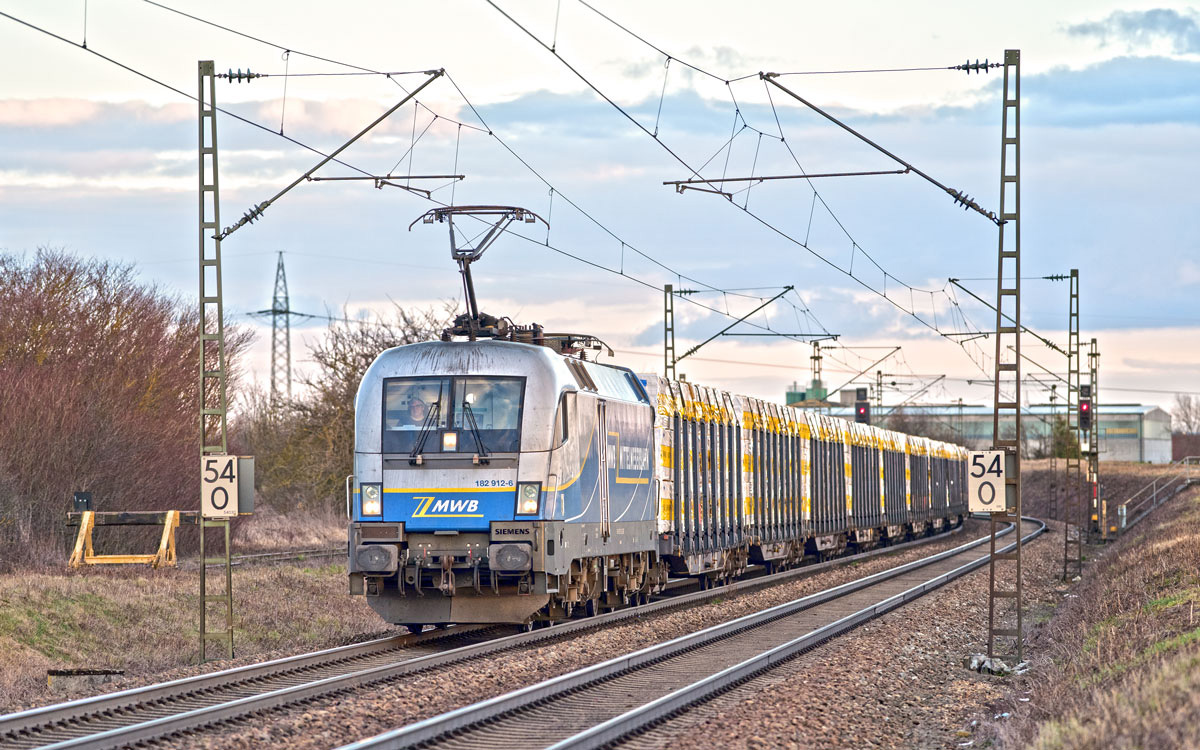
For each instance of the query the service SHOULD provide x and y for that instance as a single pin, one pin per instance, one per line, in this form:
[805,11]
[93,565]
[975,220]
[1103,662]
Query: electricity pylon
[281,337]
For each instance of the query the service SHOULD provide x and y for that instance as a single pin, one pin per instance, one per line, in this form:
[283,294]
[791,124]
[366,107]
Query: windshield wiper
[482,455]
[426,427]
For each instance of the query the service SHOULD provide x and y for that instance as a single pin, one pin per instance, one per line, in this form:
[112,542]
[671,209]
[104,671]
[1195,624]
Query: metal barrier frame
[88,520]
[1189,475]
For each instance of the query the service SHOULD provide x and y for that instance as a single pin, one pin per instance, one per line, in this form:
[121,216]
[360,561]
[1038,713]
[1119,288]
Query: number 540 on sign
[985,482]
[218,486]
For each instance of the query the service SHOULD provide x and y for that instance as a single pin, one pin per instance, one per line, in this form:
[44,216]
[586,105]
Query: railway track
[260,558]
[598,705]
[159,711]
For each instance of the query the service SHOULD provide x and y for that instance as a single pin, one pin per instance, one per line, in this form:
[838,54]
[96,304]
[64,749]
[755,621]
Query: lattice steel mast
[281,338]
[1072,528]
[669,332]
[1053,512]
[213,415]
[1099,509]
[213,402]
[1003,622]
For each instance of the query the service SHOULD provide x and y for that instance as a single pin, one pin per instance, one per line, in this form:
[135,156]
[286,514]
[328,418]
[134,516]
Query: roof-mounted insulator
[239,76]
[978,67]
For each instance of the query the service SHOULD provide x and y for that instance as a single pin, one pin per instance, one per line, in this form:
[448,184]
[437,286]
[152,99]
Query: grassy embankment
[1118,665]
[145,621]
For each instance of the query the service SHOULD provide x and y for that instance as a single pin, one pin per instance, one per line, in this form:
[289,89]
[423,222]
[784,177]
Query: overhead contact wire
[486,129]
[363,172]
[912,308]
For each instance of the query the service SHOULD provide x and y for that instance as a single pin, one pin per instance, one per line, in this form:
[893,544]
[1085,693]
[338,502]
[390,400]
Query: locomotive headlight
[529,495]
[372,500]
[450,441]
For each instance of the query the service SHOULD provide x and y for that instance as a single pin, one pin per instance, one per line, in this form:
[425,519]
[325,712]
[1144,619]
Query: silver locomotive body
[491,477]
[497,481]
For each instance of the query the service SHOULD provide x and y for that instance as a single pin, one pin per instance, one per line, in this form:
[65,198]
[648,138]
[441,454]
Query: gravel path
[897,682]
[334,721]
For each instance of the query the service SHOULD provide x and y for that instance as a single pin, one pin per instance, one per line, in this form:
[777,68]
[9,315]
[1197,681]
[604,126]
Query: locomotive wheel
[414,628]
[590,608]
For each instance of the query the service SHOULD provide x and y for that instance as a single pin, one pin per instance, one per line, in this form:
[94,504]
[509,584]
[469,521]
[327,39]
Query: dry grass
[1117,665]
[270,531]
[145,622]
[1120,480]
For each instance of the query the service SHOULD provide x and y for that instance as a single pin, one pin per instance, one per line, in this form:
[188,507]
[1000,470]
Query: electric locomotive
[506,478]
[487,480]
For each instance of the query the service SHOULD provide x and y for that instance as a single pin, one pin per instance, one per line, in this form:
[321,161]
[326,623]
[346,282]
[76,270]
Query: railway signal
[862,412]
[1085,408]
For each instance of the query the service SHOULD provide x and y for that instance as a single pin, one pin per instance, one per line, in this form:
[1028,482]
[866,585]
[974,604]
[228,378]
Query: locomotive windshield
[409,403]
[476,408]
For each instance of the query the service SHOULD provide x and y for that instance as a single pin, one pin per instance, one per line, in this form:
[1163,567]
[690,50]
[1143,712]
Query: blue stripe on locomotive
[629,487]
[460,509]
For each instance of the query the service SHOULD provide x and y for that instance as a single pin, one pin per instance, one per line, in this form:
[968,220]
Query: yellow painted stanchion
[84,553]
[83,541]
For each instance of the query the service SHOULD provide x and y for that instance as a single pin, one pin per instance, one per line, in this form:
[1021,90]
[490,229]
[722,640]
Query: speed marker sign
[985,482]
[218,486]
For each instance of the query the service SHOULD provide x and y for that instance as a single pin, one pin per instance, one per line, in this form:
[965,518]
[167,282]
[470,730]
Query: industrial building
[1128,432]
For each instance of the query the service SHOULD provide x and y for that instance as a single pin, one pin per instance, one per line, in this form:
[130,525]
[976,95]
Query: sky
[580,112]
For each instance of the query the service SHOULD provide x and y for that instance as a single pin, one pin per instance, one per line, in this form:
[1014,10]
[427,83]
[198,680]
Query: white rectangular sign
[218,486]
[985,482]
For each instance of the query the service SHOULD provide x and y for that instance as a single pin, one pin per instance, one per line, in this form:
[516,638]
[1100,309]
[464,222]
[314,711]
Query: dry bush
[98,392]
[1116,666]
[304,449]
[270,530]
[918,423]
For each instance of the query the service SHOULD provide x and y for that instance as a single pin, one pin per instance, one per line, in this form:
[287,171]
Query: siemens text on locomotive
[499,481]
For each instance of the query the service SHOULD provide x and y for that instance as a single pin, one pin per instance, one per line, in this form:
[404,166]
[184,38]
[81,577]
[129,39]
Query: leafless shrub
[304,449]
[1185,417]
[98,392]
[921,424]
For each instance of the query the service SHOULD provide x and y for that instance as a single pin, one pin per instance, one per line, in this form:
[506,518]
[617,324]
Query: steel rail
[271,557]
[106,704]
[56,718]
[474,715]
[651,713]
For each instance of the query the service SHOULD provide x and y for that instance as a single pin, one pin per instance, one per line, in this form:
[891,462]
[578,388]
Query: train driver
[409,405]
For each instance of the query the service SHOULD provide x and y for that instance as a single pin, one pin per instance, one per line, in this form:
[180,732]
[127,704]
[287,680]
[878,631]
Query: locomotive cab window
[488,409]
[410,403]
[562,419]
[476,409]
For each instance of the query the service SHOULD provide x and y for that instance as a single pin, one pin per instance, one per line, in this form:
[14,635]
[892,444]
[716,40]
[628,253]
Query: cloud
[1145,27]
[46,112]
[1188,273]
[1160,365]
[714,58]
[61,113]
[1123,90]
